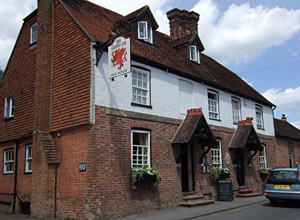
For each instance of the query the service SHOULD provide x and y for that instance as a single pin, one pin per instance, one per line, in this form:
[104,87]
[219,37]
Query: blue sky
[259,39]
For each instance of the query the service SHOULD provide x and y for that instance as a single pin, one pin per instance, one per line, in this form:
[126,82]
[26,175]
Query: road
[260,211]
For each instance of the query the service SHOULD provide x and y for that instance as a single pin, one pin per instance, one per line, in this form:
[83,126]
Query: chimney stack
[283,118]
[182,22]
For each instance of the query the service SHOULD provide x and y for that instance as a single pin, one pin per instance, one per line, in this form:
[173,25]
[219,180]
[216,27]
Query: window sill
[8,174]
[141,105]
[8,120]
[214,119]
[260,128]
[28,173]
[32,44]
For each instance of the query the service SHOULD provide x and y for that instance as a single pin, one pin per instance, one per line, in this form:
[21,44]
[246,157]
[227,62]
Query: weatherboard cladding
[99,22]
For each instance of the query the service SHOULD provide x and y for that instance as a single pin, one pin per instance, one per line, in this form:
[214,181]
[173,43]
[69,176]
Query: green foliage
[216,172]
[137,175]
[264,171]
[1,75]
[69,218]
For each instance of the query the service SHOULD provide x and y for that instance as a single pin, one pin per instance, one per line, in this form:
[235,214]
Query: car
[283,184]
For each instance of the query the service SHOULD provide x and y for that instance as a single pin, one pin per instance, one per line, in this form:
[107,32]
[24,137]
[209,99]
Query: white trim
[194,54]
[28,158]
[259,117]
[9,108]
[6,162]
[236,113]
[145,32]
[33,33]
[263,158]
[138,88]
[213,104]
[217,153]
[134,162]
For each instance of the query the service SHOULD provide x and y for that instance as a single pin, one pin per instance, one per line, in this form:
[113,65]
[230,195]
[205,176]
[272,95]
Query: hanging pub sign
[119,60]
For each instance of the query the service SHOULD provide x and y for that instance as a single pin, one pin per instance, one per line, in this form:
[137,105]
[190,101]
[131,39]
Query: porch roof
[245,136]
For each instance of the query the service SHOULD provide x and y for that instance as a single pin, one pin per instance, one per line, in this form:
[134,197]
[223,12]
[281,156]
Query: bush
[216,172]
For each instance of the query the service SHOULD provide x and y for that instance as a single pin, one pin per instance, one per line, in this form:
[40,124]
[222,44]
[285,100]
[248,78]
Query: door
[187,169]
[240,172]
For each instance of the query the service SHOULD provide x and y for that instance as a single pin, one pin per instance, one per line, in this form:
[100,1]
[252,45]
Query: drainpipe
[55,191]
[16,175]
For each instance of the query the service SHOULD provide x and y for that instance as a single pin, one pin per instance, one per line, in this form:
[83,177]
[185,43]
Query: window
[216,155]
[145,32]
[9,108]
[213,105]
[140,148]
[8,161]
[236,110]
[259,117]
[140,87]
[291,154]
[28,158]
[262,157]
[33,33]
[194,54]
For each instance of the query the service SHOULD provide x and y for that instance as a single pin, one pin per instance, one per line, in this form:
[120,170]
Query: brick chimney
[283,117]
[182,22]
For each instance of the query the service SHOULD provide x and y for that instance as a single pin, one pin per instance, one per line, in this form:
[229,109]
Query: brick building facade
[68,139]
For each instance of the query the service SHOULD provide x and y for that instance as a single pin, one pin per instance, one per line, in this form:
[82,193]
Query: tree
[1,75]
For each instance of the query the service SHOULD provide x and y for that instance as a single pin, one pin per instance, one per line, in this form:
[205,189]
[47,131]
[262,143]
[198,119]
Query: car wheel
[273,201]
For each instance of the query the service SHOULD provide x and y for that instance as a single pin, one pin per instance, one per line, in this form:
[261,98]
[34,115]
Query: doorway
[240,169]
[187,169]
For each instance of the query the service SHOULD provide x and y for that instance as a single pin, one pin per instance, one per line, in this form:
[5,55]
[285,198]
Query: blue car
[283,184]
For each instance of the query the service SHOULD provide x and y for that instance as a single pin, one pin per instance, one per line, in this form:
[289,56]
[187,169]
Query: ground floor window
[262,157]
[8,161]
[216,155]
[28,159]
[140,149]
[291,154]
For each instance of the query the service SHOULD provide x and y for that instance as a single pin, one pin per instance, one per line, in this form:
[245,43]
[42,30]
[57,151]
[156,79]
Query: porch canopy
[194,125]
[245,137]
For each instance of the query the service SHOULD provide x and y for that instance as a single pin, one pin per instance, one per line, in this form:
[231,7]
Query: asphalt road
[260,211]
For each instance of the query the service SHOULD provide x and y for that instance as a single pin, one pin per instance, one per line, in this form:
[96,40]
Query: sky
[257,39]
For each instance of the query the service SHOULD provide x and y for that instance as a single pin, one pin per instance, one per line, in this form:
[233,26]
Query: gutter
[16,175]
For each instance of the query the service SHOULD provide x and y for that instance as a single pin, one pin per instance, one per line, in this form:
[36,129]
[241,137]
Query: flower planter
[147,178]
[224,176]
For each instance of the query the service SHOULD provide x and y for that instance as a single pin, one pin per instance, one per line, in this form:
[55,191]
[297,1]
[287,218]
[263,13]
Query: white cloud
[242,33]
[286,100]
[296,124]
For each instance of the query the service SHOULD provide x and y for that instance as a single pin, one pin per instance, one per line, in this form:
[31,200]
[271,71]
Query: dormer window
[194,54]
[145,32]
[33,33]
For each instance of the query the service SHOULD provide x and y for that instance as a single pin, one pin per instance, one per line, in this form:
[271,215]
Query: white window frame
[8,161]
[259,117]
[33,33]
[145,32]
[140,86]
[140,152]
[291,154]
[236,113]
[262,157]
[194,54]
[216,155]
[213,105]
[28,158]
[9,108]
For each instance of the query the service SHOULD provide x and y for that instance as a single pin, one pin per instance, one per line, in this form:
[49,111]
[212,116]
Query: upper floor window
[140,149]
[140,87]
[262,157]
[9,108]
[213,105]
[259,117]
[194,54]
[28,158]
[145,32]
[8,161]
[216,155]
[33,33]
[236,110]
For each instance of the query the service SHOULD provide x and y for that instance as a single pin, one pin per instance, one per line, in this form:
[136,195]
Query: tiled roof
[285,129]
[99,22]
[194,124]
[245,136]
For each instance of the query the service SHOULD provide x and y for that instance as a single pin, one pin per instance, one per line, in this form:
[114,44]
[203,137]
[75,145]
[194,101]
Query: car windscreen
[283,177]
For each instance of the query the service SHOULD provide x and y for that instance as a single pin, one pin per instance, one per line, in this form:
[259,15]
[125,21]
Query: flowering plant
[138,175]
[264,171]
[217,172]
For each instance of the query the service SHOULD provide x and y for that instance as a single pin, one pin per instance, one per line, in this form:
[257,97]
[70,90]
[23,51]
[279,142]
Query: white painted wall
[171,96]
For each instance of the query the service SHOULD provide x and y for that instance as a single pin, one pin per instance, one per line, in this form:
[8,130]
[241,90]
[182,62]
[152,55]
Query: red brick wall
[109,161]
[283,152]
[71,190]
[19,82]
[71,72]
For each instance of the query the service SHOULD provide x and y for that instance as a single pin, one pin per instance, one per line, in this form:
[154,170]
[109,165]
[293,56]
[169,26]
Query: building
[71,134]
[288,143]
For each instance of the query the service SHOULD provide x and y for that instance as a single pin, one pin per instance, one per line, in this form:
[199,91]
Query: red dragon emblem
[119,57]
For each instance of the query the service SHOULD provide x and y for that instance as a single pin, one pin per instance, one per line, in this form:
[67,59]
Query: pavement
[178,213]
